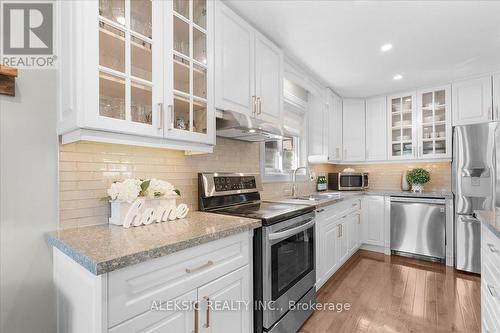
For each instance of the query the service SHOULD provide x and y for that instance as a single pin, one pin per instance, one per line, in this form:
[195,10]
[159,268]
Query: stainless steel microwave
[347,181]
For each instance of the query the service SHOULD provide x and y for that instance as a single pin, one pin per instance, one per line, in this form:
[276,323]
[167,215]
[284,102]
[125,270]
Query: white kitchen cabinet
[326,253]
[472,101]
[353,136]
[434,123]
[376,129]
[268,79]
[352,232]
[490,279]
[496,96]
[317,131]
[137,72]
[229,289]
[334,113]
[342,241]
[402,126]
[234,61]
[373,219]
[162,320]
[248,68]
[128,299]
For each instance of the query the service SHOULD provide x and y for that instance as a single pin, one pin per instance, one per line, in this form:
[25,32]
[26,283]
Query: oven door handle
[291,232]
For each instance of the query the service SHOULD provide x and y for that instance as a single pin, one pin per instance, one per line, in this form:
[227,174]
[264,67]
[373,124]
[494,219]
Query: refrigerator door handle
[476,172]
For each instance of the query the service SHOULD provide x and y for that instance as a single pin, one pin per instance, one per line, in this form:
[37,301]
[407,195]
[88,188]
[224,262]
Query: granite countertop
[488,218]
[105,248]
[430,194]
[337,196]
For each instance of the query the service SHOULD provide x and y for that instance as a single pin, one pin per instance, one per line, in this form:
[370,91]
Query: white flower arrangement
[130,189]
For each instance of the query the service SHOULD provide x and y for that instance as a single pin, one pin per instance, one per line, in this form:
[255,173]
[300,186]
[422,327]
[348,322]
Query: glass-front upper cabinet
[434,123]
[129,67]
[190,109]
[402,138]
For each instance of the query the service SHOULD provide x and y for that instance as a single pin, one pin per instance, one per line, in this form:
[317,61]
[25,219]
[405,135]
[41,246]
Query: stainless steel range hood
[245,128]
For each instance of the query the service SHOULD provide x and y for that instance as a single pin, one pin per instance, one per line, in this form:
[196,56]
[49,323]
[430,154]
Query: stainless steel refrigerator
[473,182]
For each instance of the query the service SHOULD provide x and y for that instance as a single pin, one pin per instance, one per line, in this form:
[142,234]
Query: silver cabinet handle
[320,210]
[170,117]
[259,106]
[492,291]
[496,112]
[196,309]
[338,231]
[207,321]
[192,270]
[160,116]
[492,248]
[254,102]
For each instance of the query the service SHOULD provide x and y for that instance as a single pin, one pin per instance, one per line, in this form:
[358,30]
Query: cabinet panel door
[376,129]
[352,225]
[434,123]
[373,210]
[234,287]
[353,129]
[402,126]
[496,96]
[335,127]
[330,236]
[268,79]
[472,101]
[316,126]
[234,61]
[162,319]
[343,246]
[123,78]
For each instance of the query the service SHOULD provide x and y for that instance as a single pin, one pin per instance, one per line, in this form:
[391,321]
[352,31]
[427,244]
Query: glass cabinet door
[434,128]
[126,70]
[401,127]
[189,108]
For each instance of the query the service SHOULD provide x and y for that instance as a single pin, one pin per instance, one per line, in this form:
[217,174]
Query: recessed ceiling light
[397,77]
[386,47]
[251,130]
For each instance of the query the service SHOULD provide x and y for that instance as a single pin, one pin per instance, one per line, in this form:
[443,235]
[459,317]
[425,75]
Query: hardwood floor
[396,294]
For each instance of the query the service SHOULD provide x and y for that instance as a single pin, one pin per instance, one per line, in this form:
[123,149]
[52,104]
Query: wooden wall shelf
[8,80]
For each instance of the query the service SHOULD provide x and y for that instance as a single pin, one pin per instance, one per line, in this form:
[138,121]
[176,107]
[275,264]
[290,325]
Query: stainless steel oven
[283,249]
[288,271]
[347,181]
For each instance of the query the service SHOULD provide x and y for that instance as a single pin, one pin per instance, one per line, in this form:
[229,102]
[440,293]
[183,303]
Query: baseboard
[373,248]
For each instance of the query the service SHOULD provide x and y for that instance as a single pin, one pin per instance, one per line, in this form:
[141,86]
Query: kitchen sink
[317,197]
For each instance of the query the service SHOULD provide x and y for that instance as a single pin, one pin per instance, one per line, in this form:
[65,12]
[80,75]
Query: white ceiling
[434,42]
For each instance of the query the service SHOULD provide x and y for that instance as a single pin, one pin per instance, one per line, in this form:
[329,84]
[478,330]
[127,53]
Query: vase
[404,182]
[417,188]
[119,209]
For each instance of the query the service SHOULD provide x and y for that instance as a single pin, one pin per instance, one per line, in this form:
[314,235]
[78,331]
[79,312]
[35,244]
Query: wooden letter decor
[7,80]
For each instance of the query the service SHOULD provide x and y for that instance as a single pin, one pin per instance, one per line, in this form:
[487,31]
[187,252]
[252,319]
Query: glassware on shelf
[141,17]
[182,7]
[200,13]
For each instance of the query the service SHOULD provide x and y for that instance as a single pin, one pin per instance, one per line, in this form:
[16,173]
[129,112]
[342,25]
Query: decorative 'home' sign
[138,214]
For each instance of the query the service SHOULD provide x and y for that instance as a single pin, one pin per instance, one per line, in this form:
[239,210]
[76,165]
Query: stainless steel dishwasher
[418,227]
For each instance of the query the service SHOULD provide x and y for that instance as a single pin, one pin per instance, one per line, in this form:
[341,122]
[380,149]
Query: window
[281,156]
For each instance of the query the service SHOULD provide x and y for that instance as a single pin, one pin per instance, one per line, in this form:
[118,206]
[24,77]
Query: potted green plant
[417,178]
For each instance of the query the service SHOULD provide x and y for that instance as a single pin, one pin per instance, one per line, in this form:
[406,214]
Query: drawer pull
[196,309]
[192,270]
[320,210]
[492,248]
[207,322]
[354,205]
[492,291]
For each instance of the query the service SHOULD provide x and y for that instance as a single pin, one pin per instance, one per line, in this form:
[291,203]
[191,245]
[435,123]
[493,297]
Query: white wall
[28,203]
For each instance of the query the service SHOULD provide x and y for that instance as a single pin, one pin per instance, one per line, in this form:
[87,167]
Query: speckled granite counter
[430,194]
[104,248]
[488,218]
[338,196]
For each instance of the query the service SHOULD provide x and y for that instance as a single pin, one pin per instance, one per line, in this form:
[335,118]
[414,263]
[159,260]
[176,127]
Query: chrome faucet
[294,179]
